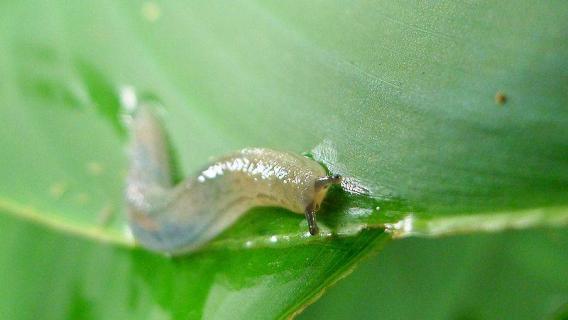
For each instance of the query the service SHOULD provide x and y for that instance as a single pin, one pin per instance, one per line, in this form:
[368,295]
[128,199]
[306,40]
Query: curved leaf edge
[410,226]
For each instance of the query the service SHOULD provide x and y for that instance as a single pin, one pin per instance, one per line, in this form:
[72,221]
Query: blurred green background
[513,275]
[403,97]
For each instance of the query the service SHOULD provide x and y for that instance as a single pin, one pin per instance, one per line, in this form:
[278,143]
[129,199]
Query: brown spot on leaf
[500,98]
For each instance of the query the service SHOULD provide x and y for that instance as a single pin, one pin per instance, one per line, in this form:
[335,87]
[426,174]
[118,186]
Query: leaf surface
[451,117]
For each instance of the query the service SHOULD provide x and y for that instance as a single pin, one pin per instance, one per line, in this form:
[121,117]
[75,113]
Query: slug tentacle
[311,218]
[179,219]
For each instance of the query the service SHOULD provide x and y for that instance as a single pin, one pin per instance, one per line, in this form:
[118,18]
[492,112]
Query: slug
[178,219]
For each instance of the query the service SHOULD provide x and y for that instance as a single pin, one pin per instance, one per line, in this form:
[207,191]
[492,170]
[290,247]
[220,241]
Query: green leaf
[399,97]
[513,275]
[57,275]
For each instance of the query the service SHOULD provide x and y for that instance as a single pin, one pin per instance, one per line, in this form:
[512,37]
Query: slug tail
[149,175]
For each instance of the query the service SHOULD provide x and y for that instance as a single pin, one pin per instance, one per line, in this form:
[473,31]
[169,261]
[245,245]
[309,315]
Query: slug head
[321,187]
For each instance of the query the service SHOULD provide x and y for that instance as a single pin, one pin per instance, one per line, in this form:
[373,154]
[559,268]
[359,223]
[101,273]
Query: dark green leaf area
[513,275]
[61,276]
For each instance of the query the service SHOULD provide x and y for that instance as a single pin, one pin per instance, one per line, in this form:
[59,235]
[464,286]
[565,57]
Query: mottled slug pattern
[181,218]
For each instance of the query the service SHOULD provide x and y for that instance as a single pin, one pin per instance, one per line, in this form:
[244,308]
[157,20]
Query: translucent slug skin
[179,219]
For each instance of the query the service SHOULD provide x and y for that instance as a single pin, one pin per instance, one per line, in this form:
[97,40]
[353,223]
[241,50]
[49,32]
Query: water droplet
[128,98]
[128,233]
[402,227]
[151,11]
[360,212]
[58,189]
[82,198]
[94,168]
[105,214]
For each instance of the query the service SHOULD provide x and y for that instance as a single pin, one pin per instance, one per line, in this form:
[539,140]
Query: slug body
[179,219]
